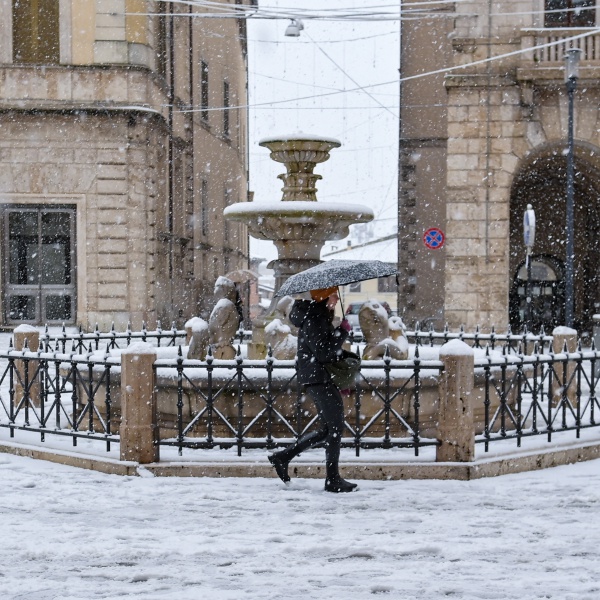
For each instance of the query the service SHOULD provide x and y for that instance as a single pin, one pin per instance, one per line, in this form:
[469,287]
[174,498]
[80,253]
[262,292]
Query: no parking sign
[434,238]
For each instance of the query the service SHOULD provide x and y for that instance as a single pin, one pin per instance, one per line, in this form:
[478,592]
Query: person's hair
[320,295]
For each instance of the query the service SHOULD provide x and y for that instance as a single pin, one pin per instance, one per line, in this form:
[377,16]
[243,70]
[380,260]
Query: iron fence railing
[248,404]
[516,343]
[58,394]
[539,394]
[83,342]
[257,403]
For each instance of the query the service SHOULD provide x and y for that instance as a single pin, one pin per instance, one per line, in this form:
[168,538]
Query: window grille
[570,13]
[204,91]
[226,103]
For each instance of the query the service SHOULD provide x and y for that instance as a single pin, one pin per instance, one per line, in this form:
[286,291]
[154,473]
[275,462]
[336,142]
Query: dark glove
[345,325]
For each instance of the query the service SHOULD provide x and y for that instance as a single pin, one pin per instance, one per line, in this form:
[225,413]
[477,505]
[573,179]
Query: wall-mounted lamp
[294,28]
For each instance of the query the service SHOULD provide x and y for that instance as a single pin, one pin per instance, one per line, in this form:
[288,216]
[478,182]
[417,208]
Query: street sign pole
[529,239]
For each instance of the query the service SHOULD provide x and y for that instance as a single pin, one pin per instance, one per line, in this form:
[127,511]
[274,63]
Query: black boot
[281,465]
[337,484]
[280,460]
[333,481]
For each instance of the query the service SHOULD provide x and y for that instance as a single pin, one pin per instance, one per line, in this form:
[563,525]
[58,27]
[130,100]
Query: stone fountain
[298,225]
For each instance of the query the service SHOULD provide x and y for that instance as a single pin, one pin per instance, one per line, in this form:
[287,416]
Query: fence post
[139,427]
[29,334]
[456,428]
[560,337]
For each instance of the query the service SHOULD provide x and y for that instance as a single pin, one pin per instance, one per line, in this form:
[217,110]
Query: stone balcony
[543,50]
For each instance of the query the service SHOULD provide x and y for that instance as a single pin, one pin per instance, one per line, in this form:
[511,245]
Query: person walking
[319,343]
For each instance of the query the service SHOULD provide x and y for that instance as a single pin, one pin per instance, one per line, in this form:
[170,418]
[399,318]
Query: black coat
[319,342]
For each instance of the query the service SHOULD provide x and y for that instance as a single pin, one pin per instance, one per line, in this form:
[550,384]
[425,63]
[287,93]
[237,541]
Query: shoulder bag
[343,372]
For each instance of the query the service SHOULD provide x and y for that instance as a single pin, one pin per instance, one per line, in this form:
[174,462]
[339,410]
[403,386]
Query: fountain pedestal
[298,225]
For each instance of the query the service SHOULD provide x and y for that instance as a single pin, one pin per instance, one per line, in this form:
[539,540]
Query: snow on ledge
[300,137]
[562,330]
[25,329]
[285,208]
[140,348]
[456,348]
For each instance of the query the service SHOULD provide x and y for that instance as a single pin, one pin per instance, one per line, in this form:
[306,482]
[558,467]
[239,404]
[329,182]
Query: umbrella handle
[341,303]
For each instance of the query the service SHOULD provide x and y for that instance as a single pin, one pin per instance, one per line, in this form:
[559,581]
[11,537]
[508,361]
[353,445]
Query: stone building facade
[480,142]
[120,145]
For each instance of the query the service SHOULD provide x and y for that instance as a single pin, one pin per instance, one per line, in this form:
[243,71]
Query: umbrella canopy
[241,276]
[335,272]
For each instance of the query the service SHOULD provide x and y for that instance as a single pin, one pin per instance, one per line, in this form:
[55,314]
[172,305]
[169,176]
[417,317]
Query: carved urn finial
[300,154]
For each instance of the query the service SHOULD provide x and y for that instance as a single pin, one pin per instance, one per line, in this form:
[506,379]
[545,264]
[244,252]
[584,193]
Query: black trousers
[330,407]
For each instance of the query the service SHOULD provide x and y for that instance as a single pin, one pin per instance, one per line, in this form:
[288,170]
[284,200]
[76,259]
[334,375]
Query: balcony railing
[548,46]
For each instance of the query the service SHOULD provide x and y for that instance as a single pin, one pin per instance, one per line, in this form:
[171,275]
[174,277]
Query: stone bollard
[139,427]
[560,336]
[30,334]
[456,428]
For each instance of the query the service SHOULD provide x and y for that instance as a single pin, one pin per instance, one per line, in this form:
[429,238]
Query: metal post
[529,239]
[569,267]
[529,317]
[571,75]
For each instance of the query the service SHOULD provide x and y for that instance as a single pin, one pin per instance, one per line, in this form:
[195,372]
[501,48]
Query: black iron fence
[537,395]
[59,394]
[515,343]
[82,342]
[249,404]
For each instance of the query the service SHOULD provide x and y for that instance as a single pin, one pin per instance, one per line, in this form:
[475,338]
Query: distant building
[120,145]
[478,144]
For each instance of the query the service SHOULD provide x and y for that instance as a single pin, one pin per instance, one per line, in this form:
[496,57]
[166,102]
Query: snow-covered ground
[69,534]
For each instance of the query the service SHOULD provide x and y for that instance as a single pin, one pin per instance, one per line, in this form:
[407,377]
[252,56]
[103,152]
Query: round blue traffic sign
[434,238]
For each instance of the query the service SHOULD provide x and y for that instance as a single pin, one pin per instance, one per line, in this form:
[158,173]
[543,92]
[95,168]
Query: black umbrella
[333,273]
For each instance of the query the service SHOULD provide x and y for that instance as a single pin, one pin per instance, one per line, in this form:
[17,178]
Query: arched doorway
[541,182]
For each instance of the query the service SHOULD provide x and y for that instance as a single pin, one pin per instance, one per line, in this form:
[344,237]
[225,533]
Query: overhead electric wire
[344,41]
[350,77]
[406,11]
[402,79]
[391,12]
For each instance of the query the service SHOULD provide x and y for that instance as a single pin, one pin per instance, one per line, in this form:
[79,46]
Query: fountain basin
[299,219]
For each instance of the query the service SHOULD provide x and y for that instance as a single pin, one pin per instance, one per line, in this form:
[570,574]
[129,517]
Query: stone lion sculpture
[283,308]
[279,336]
[222,327]
[198,338]
[278,333]
[380,332]
[226,289]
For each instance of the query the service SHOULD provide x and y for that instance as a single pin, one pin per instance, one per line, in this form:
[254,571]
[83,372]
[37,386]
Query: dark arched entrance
[541,182]
[547,292]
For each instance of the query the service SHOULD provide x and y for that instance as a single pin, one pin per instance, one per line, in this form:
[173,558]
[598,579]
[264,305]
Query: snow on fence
[144,396]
